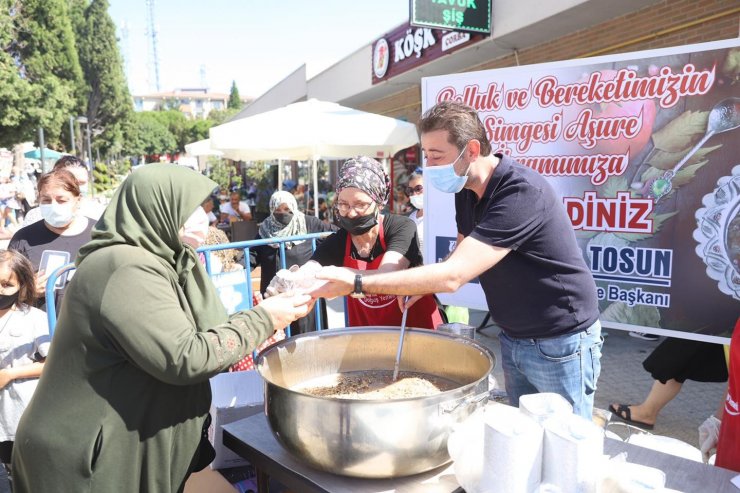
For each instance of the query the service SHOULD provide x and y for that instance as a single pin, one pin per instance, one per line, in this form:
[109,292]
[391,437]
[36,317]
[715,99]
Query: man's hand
[340,282]
[286,308]
[246,216]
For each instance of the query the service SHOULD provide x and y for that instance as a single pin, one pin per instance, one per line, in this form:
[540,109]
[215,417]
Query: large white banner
[644,149]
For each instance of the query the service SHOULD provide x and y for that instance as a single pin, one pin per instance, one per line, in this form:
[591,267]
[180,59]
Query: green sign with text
[458,15]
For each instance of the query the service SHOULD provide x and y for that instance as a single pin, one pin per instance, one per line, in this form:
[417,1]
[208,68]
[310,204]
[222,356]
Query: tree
[149,136]
[198,130]
[223,173]
[15,90]
[109,104]
[101,177]
[41,82]
[235,101]
[217,117]
[177,124]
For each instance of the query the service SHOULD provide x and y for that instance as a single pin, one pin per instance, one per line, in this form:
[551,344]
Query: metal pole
[280,174]
[72,135]
[90,157]
[42,144]
[316,186]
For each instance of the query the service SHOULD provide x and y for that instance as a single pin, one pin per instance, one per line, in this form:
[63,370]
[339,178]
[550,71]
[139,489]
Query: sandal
[623,412]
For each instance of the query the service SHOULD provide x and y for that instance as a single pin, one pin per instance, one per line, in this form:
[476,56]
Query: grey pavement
[622,379]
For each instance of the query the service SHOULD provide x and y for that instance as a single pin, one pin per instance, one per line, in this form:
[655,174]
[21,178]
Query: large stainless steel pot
[375,438]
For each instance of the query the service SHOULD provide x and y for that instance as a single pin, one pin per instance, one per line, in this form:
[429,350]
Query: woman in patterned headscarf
[286,220]
[369,240]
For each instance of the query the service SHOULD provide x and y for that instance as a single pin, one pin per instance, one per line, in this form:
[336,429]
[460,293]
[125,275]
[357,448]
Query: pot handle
[450,407]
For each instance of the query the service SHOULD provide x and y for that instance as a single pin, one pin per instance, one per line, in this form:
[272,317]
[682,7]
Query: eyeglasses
[414,190]
[359,208]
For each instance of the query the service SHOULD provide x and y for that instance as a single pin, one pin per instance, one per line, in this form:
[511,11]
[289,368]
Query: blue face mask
[444,178]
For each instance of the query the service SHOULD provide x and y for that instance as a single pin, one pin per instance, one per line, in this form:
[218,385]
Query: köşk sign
[406,48]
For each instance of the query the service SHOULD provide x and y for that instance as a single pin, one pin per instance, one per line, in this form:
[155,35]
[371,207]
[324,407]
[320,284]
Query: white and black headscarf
[271,228]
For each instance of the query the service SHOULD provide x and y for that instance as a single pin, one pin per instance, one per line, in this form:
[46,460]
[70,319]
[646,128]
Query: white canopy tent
[311,130]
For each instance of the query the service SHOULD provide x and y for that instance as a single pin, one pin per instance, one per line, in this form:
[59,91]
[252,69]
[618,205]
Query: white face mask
[444,178]
[195,229]
[58,215]
[417,201]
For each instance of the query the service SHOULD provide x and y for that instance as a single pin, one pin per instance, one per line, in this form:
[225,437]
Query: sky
[255,43]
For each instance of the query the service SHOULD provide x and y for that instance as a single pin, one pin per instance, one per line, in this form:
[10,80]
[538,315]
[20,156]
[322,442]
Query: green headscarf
[147,211]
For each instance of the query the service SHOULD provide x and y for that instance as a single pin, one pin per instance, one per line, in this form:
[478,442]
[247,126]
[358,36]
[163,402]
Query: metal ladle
[724,116]
[400,340]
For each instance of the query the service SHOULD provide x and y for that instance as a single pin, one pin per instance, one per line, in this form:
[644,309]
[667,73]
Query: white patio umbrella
[312,130]
[201,148]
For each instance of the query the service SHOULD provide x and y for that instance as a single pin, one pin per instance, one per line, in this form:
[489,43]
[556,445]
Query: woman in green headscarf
[124,395]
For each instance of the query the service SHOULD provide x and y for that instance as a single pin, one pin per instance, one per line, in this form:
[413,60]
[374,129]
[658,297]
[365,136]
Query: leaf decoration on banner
[682,132]
[642,315]
[614,185]
[651,174]
[603,239]
[585,235]
[686,174]
[667,160]
[731,67]
[683,177]
[606,239]
[658,221]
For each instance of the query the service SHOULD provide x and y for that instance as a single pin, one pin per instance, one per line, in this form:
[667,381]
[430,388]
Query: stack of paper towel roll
[541,443]
[512,452]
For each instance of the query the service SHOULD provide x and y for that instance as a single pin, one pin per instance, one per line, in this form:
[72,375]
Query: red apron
[728,445]
[382,309]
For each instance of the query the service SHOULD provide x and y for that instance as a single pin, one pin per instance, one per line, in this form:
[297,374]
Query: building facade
[194,103]
[384,76]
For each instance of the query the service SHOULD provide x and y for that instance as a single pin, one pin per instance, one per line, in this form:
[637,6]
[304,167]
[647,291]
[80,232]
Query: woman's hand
[286,308]
[41,278]
[404,303]
[5,378]
[709,436]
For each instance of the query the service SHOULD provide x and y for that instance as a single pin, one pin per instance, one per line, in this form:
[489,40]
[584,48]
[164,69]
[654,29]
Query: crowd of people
[123,395]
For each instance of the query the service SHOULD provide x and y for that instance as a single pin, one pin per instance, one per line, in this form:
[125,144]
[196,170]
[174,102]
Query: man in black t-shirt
[515,236]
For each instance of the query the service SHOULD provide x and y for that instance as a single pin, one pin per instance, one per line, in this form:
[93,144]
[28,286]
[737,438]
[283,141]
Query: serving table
[252,439]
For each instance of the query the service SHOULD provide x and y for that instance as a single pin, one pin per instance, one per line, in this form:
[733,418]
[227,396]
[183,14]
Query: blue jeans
[568,365]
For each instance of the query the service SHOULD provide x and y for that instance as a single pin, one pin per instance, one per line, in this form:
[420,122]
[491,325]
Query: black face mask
[8,300]
[358,225]
[283,218]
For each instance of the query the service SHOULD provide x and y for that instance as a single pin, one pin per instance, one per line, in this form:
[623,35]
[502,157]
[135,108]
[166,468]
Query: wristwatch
[357,293]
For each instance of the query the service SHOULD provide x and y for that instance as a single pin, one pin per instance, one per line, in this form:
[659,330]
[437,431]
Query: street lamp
[83,119]
[72,134]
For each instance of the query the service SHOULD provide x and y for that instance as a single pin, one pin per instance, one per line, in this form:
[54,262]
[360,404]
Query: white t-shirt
[227,209]
[23,333]
[419,229]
